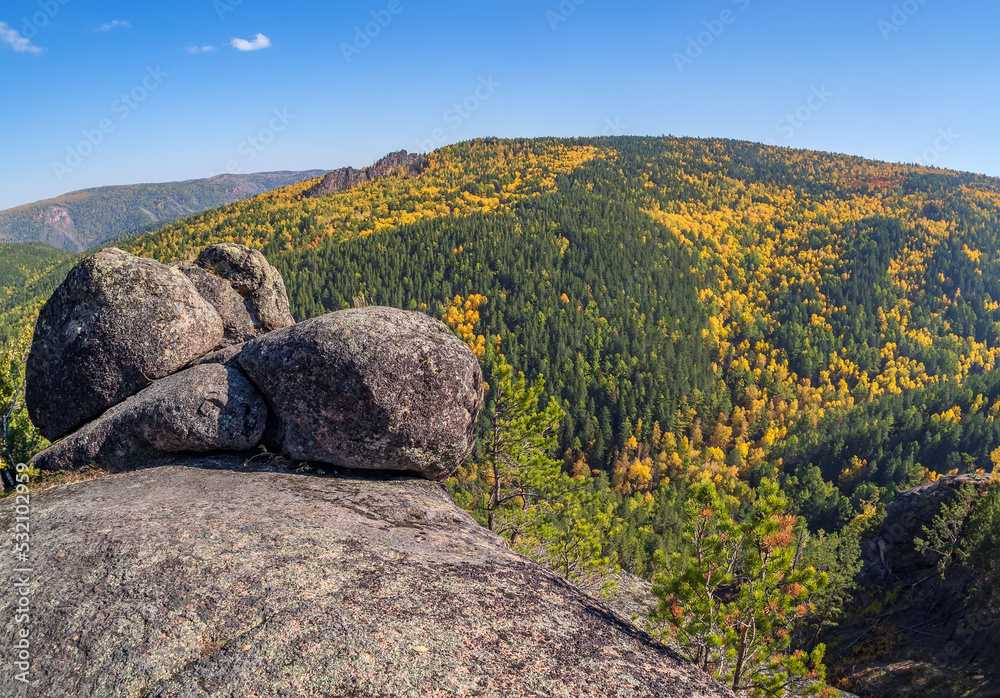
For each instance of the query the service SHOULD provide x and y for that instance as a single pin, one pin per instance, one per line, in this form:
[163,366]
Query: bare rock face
[370,388]
[348,177]
[190,582]
[926,639]
[206,408]
[255,281]
[115,324]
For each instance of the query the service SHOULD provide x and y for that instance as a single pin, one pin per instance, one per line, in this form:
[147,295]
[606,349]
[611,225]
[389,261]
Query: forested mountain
[83,219]
[695,305]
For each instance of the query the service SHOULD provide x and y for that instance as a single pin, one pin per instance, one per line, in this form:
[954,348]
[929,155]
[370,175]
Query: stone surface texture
[255,280]
[226,355]
[237,323]
[205,408]
[187,580]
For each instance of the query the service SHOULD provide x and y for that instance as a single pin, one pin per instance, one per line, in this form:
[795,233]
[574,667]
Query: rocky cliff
[913,631]
[347,177]
[205,576]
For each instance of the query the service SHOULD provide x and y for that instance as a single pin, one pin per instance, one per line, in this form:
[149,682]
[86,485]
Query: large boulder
[370,388]
[258,285]
[205,408]
[186,581]
[115,324]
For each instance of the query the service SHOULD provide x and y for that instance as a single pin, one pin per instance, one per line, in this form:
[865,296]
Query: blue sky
[111,92]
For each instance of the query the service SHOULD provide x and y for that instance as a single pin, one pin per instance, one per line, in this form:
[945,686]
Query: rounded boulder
[202,409]
[115,324]
[370,388]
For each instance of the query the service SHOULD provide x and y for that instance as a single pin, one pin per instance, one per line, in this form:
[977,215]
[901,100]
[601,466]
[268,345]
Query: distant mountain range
[82,219]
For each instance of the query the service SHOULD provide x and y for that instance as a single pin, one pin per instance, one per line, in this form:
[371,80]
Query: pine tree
[519,491]
[517,471]
[733,603]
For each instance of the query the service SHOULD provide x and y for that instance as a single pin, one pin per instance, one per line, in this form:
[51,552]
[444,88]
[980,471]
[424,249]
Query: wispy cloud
[114,24]
[259,42]
[199,49]
[17,42]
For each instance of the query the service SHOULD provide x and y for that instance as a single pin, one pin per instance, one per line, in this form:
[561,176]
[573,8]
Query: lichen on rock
[206,408]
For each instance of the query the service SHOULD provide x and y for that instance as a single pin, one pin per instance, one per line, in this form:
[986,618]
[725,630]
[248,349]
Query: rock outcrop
[181,580]
[370,388]
[205,408]
[890,553]
[916,633]
[251,574]
[115,324]
[348,177]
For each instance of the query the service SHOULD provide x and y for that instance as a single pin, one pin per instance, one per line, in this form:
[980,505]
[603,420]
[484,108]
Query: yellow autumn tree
[462,316]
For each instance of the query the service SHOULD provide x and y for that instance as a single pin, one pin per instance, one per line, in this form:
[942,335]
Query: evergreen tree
[734,601]
[519,491]
[511,487]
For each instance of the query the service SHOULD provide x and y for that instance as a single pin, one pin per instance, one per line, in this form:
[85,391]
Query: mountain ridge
[81,219]
[399,162]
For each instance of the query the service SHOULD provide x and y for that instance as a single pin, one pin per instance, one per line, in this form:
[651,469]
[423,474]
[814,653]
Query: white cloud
[114,24]
[199,49]
[259,42]
[16,41]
